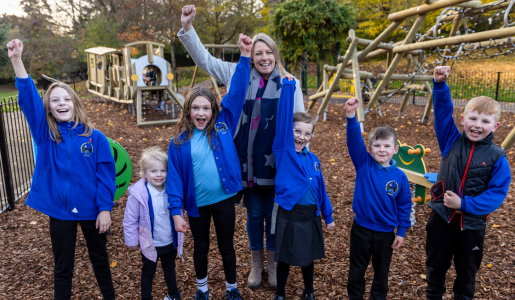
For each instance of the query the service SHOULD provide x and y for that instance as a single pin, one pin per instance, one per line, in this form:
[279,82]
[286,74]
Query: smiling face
[156,174]
[264,59]
[201,112]
[383,150]
[302,134]
[61,105]
[477,126]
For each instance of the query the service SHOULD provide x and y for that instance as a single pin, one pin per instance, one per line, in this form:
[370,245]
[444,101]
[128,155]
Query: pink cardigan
[136,222]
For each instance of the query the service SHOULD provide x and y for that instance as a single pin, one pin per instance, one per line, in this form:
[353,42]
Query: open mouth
[201,121]
[265,65]
[476,132]
[63,110]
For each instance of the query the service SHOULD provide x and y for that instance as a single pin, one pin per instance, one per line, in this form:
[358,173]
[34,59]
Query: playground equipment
[411,161]
[113,75]
[476,39]
[213,80]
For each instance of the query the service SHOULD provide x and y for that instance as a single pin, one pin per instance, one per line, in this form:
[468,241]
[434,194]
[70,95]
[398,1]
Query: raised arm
[355,143]
[28,96]
[445,128]
[220,70]
[232,103]
[284,124]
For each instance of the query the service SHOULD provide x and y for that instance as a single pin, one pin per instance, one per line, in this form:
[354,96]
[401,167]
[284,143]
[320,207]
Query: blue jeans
[259,203]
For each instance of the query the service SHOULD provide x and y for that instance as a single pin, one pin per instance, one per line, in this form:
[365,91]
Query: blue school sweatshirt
[180,183]
[447,133]
[294,177]
[75,179]
[382,197]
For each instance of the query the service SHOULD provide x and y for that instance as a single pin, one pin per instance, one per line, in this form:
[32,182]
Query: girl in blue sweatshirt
[204,172]
[300,194]
[74,178]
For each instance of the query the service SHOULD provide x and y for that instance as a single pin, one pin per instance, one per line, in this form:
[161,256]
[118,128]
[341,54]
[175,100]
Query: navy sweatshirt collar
[389,168]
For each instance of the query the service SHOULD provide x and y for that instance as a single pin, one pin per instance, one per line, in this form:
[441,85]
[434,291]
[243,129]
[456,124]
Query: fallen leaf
[113,264]
[496,226]
[423,276]
[489,265]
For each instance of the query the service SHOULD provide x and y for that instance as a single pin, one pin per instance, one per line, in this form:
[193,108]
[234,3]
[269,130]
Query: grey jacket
[222,70]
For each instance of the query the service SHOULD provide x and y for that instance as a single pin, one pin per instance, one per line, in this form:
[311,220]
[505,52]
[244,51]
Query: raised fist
[14,49]
[441,73]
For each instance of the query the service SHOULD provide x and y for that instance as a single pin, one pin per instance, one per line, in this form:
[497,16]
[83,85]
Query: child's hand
[103,221]
[188,14]
[451,200]
[245,44]
[441,73]
[351,106]
[331,226]
[397,243]
[14,49]
[180,224]
[289,76]
[134,247]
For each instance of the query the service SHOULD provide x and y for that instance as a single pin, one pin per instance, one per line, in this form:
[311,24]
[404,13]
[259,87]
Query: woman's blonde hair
[79,114]
[185,124]
[149,155]
[264,38]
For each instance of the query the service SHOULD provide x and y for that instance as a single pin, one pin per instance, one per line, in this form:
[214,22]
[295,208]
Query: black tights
[283,270]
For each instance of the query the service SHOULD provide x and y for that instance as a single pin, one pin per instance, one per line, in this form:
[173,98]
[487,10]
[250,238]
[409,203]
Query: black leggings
[64,235]
[167,255]
[224,217]
[283,270]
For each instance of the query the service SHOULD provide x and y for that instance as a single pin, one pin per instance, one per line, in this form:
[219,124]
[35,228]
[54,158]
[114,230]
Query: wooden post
[138,106]
[509,140]
[411,34]
[323,87]
[379,39]
[347,56]
[429,105]
[357,82]
[215,85]
[194,76]
[423,9]
[404,103]
[468,38]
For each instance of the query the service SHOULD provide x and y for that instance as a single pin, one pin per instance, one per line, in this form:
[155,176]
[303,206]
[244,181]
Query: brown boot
[256,269]
[271,269]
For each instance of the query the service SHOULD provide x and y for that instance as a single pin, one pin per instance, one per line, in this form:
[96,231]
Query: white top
[162,225]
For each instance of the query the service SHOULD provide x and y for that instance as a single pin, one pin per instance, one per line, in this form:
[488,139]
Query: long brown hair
[79,114]
[264,38]
[185,125]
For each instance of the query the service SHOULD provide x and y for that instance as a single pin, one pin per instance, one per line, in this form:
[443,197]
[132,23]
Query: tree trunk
[299,65]
[172,50]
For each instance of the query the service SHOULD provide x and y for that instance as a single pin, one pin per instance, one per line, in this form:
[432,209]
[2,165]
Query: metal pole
[497,89]
[5,165]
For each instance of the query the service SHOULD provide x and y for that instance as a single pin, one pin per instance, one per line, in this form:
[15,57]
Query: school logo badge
[87,148]
[317,166]
[392,187]
[221,127]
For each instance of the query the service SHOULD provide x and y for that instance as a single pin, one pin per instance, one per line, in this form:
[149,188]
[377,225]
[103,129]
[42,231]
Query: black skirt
[298,236]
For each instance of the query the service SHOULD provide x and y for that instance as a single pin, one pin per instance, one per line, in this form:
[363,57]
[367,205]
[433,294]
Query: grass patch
[184,75]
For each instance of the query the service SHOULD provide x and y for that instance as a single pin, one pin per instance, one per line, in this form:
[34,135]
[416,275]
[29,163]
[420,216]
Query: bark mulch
[26,264]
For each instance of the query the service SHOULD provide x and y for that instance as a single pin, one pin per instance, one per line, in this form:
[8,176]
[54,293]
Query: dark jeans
[283,270]
[63,235]
[260,204]
[224,217]
[445,241]
[167,255]
[366,243]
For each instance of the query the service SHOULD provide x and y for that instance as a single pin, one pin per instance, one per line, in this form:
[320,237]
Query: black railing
[465,85]
[16,152]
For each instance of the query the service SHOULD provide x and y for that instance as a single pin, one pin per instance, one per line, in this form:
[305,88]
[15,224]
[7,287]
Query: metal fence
[16,153]
[465,85]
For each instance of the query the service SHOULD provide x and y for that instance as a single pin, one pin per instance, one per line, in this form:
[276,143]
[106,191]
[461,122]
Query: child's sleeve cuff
[401,231]
[176,211]
[328,220]
[439,85]
[462,207]
[23,80]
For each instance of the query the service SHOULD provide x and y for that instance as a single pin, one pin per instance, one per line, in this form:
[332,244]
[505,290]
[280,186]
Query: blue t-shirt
[308,198]
[208,186]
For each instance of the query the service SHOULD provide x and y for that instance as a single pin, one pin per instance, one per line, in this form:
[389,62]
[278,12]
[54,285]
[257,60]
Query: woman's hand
[188,14]
[245,44]
[397,243]
[180,224]
[289,76]
[331,226]
[103,221]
